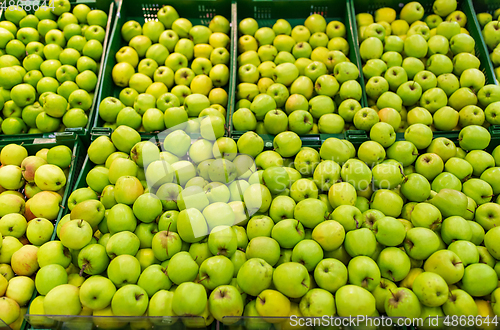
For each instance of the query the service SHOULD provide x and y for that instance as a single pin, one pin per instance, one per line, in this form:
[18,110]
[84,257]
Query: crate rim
[116,30]
[348,22]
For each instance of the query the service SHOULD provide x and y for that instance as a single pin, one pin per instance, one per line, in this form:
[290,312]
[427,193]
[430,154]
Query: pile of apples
[424,70]
[213,227]
[32,189]
[298,79]
[170,71]
[491,37]
[48,66]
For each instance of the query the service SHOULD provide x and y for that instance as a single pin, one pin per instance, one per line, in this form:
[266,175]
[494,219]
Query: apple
[460,302]
[63,300]
[225,302]
[97,292]
[291,279]
[273,304]
[415,46]
[346,297]
[371,48]
[474,137]
[376,86]
[374,68]
[364,272]
[402,302]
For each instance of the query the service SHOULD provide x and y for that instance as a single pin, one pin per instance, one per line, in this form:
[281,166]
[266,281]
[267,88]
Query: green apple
[402,303]
[358,235]
[466,251]
[371,48]
[53,252]
[389,231]
[124,261]
[81,229]
[291,279]
[394,263]
[431,289]
[129,300]
[50,277]
[446,264]
[460,303]
[415,46]
[364,272]
[330,274]
[225,302]
[97,292]
[384,194]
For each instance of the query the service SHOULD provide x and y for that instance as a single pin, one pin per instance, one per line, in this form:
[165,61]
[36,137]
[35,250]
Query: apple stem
[470,211]
[83,268]
[202,279]
[168,234]
[402,173]
[357,222]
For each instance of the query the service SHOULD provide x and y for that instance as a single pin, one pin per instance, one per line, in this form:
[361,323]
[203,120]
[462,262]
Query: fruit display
[223,184]
[167,71]
[490,36]
[424,67]
[34,182]
[49,67]
[302,77]
[212,227]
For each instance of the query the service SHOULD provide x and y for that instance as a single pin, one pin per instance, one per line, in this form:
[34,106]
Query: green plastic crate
[267,12]
[199,12]
[69,139]
[34,144]
[109,7]
[367,6]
